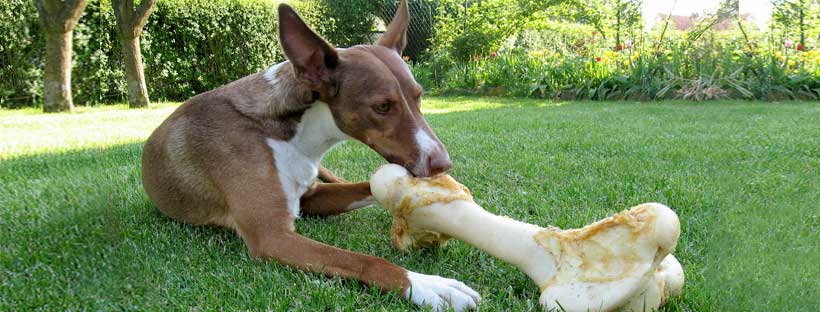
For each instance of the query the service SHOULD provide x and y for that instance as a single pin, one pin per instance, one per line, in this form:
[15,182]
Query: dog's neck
[316,131]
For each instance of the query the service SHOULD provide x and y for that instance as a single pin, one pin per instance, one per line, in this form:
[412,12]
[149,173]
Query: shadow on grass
[84,233]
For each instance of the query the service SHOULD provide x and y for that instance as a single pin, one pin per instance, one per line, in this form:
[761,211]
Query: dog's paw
[440,293]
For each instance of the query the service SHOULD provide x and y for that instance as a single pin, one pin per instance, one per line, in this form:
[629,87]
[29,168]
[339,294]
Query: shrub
[714,67]
[343,23]
[189,46]
[21,58]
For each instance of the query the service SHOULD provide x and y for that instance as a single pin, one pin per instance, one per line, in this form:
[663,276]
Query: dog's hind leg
[325,199]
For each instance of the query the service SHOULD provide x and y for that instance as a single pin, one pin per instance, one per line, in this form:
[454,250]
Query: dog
[246,156]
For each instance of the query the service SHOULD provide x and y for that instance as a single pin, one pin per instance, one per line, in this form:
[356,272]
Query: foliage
[713,68]
[343,23]
[569,58]
[98,75]
[796,18]
[423,16]
[592,49]
[21,53]
[189,46]
[469,28]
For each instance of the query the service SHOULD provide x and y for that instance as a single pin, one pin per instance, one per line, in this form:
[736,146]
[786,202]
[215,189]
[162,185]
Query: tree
[130,21]
[58,18]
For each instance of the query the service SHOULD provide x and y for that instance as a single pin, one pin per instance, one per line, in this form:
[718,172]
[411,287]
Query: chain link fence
[422,21]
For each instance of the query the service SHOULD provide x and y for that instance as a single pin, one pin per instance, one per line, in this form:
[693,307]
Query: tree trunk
[57,81]
[134,75]
[130,21]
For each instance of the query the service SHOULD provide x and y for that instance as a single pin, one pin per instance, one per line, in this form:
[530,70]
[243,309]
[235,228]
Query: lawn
[78,232]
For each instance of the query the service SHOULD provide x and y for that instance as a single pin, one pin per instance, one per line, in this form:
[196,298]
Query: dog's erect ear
[311,56]
[396,35]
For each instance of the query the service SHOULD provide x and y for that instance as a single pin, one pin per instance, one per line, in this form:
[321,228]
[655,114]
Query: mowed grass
[78,232]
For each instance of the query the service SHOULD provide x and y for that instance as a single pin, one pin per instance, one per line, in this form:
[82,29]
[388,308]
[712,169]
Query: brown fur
[209,163]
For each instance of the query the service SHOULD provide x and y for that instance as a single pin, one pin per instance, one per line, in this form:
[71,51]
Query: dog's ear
[396,35]
[312,57]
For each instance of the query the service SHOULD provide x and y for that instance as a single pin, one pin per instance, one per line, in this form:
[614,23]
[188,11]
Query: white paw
[440,293]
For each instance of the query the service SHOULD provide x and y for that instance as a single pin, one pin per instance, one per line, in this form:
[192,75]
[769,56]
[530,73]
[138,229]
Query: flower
[629,43]
[619,47]
[626,63]
[778,55]
[788,43]
[493,54]
[799,47]
[597,58]
[406,58]
[791,63]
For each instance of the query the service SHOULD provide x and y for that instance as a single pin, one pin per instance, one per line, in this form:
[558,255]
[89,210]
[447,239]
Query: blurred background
[592,49]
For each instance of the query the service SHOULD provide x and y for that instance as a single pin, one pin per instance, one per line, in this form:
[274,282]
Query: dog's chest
[296,171]
[297,160]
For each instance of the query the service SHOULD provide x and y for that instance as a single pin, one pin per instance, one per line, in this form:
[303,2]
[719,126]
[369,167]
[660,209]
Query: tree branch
[130,20]
[143,12]
[58,16]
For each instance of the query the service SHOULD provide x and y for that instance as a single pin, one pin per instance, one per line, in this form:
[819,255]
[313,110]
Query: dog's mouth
[409,165]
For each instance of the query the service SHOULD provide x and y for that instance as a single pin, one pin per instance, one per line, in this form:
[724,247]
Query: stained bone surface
[619,263]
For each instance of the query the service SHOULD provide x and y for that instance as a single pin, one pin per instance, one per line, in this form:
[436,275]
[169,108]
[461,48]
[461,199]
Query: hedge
[20,53]
[188,46]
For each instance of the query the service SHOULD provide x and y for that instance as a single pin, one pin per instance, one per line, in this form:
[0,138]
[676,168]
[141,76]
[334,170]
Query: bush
[98,75]
[21,52]
[715,67]
[342,23]
[189,46]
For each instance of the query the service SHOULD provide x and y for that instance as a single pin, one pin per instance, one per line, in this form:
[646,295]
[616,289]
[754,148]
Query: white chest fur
[297,160]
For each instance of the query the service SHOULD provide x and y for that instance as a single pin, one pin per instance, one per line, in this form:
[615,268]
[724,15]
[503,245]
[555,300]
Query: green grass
[77,231]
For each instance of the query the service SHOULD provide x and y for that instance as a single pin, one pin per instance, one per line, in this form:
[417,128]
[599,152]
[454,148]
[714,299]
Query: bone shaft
[504,238]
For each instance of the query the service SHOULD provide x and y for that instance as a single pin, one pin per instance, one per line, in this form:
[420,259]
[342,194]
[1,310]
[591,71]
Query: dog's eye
[383,108]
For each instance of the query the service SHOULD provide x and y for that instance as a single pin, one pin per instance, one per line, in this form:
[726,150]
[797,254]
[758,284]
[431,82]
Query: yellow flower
[626,63]
[778,55]
[791,63]
[611,54]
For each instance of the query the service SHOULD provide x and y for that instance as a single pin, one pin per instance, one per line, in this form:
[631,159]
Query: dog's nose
[439,162]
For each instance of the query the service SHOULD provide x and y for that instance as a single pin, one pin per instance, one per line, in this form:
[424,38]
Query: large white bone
[619,263]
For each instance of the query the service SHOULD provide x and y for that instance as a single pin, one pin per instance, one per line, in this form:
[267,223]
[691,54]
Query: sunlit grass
[29,131]
[79,233]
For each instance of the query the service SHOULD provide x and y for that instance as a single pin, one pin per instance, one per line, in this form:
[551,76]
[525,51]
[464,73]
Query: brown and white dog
[246,155]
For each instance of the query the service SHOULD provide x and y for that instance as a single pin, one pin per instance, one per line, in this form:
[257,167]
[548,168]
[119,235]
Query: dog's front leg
[325,199]
[281,244]
[328,177]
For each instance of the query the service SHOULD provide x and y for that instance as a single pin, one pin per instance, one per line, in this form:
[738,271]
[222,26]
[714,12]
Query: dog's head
[369,89]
